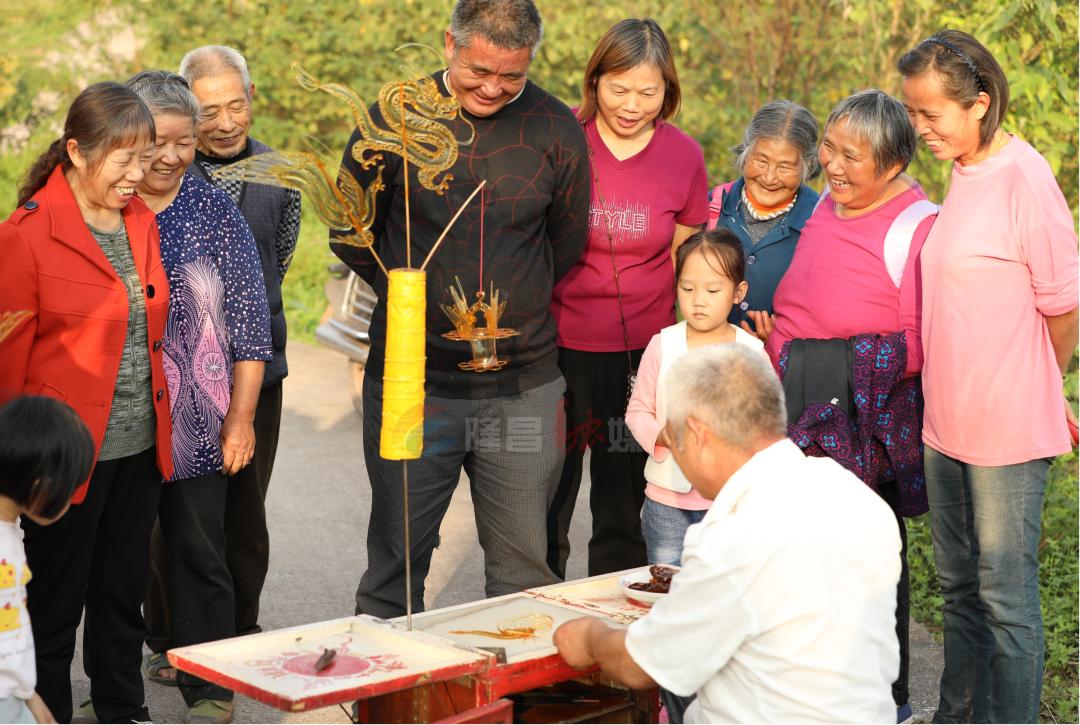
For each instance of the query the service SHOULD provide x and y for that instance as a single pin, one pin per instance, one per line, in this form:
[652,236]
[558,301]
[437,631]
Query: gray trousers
[510,448]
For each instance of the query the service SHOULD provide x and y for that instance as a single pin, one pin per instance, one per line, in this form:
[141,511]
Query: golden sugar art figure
[481,339]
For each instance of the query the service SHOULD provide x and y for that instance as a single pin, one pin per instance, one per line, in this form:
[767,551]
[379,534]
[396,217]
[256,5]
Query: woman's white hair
[730,388]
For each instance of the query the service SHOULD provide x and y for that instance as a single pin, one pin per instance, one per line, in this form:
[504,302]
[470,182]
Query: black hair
[103,117]
[45,453]
[725,248]
[966,69]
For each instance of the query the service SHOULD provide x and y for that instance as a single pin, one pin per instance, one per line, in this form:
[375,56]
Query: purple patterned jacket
[883,443]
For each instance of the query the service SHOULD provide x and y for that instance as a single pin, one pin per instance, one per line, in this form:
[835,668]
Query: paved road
[318,504]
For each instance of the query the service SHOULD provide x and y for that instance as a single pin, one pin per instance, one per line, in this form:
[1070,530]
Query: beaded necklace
[767,213]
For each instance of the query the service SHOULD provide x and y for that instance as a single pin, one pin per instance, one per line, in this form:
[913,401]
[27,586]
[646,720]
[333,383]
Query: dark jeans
[985,523]
[97,555]
[595,410]
[247,542]
[508,447]
[190,596]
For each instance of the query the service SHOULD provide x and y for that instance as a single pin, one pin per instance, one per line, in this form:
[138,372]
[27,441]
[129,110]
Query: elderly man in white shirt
[784,609]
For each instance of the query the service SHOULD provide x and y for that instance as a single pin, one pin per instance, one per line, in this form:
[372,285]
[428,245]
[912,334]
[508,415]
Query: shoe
[154,664]
[85,714]
[210,711]
[904,714]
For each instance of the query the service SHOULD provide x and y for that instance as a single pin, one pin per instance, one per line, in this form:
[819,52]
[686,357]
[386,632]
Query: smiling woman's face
[106,186]
[855,181]
[772,171]
[174,151]
[628,103]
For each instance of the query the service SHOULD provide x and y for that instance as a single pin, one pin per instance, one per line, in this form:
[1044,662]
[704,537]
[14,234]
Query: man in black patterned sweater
[504,428]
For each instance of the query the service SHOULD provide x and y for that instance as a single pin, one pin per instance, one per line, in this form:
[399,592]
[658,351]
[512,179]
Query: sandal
[157,669]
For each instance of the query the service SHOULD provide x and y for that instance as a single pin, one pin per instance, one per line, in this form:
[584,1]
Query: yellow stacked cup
[402,435]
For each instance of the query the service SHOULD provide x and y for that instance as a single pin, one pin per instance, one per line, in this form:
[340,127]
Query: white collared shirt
[784,609]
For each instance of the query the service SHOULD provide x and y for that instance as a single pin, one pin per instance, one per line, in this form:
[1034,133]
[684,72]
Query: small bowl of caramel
[648,585]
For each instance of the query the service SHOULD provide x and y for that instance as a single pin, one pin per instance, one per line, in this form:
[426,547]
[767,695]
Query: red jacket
[70,347]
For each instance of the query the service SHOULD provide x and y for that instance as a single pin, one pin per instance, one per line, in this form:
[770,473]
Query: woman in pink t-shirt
[649,194]
[999,325]
[853,283]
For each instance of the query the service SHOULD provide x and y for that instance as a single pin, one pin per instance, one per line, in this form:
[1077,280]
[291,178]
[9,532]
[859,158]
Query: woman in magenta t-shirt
[649,194]
[855,273]
[999,324]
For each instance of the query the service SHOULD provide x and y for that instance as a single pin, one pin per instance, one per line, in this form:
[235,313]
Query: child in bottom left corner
[45,452]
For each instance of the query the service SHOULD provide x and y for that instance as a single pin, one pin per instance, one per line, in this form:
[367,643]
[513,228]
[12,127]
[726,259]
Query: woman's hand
[237,430]
[1070,418]
[763,324]
[237,443]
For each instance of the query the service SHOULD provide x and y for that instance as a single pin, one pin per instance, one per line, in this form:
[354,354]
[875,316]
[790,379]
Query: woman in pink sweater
[855,273]
[999,325]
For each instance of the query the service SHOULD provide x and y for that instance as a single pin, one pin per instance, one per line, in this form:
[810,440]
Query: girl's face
[705,294]
[949,130]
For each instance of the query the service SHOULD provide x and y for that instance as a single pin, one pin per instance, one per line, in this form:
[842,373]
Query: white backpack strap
[821,198]
[900,234]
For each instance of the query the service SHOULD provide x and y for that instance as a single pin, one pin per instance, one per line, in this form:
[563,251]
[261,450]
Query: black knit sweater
[533,155]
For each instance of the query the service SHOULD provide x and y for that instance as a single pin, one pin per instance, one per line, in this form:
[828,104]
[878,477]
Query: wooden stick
[447,229]
[378,261]
[405,159]
[408,545]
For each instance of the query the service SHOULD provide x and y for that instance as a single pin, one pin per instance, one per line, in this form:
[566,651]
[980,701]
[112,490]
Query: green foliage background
[732,57]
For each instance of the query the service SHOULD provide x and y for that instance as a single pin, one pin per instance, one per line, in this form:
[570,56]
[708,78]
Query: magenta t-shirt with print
[645,196]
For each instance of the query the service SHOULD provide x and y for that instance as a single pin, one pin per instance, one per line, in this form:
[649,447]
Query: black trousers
[595,410]
[247,542]
[189,599]
[900,692]
[97,555]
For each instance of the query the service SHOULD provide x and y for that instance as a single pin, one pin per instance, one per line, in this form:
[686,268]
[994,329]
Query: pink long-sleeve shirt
[838,284]
[1001,258]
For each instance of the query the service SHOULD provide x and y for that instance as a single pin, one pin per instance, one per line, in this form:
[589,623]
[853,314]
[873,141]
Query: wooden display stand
[488,661]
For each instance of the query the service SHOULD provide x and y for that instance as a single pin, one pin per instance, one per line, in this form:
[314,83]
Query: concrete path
[319,502]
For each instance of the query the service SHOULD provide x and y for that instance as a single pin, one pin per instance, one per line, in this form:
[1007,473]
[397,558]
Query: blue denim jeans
[664,528]
[985,526]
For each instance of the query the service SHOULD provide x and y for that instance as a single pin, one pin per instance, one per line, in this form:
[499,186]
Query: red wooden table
[486,661]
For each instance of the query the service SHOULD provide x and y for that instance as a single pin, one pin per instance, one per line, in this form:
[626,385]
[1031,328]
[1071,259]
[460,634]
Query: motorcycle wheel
[356,385]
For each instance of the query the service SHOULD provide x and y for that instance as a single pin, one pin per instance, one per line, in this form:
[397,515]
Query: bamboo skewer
[405,161]
[450,224]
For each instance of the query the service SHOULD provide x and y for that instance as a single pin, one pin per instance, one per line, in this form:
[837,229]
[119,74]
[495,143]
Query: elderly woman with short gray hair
[767,207]
[847,317]
[216,345]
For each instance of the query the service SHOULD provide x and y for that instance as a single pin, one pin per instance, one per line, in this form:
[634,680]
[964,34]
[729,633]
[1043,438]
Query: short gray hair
[509,24]
[212,60]
[730,388]
[881,122]
[784,121]
[165,92]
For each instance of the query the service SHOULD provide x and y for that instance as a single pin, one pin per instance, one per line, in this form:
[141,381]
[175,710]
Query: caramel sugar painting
[521,624]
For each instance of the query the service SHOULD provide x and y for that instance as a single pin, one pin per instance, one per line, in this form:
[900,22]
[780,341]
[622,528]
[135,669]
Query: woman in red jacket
[81,255]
